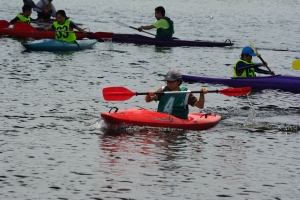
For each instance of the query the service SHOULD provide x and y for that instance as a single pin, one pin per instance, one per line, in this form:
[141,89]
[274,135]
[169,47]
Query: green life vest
[23,18]
[64,36]
[174,104]
[166,33]
[250,72]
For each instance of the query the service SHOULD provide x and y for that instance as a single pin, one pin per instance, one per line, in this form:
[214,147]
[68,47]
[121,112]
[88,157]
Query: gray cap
[173,75]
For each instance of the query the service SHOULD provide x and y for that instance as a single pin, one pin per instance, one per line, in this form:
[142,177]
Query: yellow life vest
[250,72]
[23,18]
[65,36]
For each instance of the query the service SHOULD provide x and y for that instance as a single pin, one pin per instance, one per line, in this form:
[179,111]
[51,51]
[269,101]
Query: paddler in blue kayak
[164,25]
[23,17]
[45,9]
[175,104]
[64,27]
[244,67]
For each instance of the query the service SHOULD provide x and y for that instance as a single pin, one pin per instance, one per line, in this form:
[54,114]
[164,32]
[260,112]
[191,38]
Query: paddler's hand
[150,96]
[140,28]
[272,73]
[151,93]
[203,91]
[264,64]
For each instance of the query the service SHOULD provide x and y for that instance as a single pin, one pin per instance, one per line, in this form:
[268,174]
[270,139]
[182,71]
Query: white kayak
[58,45]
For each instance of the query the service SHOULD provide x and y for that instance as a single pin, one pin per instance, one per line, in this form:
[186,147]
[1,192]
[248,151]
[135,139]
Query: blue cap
[248,50]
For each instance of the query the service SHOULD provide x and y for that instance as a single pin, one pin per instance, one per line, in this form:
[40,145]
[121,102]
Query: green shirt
[162,23]
[165,28]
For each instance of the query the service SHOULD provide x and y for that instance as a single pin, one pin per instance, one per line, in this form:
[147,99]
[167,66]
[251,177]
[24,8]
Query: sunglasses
[170,82]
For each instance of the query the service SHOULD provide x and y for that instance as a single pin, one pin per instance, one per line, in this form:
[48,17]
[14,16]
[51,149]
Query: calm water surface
[54,144]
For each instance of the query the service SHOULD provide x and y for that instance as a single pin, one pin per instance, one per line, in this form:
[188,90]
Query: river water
[54,144]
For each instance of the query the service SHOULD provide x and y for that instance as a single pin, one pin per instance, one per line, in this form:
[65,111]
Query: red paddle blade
[4,24]
[232,92]
[117,93]
[23,27]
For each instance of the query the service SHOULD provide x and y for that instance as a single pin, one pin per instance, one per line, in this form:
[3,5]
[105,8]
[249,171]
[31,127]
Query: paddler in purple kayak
[23,17]
[164,25]
[244,67]
[175,104]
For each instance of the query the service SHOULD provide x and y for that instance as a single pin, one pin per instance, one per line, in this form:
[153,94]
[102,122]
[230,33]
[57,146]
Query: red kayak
[149,118]
[34,32]
[26,30]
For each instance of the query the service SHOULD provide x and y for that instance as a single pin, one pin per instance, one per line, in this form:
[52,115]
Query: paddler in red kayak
[64,27]
[175,104]
[23,17]
[164,25]
[45,9]
[244,67]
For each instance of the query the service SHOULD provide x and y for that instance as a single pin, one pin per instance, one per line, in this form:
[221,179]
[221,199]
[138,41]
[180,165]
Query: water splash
[108,44]
[251,117]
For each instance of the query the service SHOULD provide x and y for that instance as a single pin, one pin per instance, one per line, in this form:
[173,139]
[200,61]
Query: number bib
[174,104]
[65,36]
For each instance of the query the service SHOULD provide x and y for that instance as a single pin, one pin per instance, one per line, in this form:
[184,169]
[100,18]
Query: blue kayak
[58,45]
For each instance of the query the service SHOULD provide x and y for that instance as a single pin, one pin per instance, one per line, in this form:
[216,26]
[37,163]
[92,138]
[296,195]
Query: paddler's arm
[262,71]
[80,29]
[49,28]
[73,25]
[241,66]
[15,20]
[146,27]
[200,102]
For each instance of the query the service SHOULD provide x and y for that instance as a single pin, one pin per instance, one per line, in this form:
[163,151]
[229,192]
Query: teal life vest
[174,104]
[64,36]
[250,72]
[166,34]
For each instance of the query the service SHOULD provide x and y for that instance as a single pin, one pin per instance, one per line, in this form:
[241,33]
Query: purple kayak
[140,39]
[289,83]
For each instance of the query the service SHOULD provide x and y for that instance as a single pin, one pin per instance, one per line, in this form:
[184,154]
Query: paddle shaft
[262,60]
[258,55]
[142,30]
[119,93]
[96,35]
[122,24]
[176,92]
